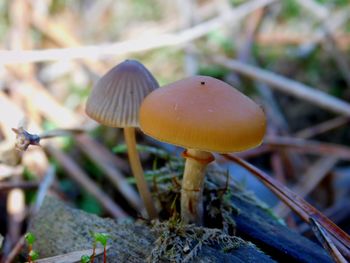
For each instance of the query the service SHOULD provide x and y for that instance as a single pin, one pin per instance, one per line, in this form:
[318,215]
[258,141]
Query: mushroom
[203,115]
[114,101]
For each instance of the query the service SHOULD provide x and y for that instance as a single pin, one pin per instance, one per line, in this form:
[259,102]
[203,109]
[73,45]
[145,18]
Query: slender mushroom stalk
[192,185]
[203,115]
[115,101]
[135,163]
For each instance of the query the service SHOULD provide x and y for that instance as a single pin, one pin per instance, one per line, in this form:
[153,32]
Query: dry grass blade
[312,177]
[321,13]
[286,85]
[322,127]
[326,242]
[61,132]
[298,205]
[78,175]
[15,251]
[136,45]
[309,146]
[107,162]
[43,188]
[64,117]
[6,186]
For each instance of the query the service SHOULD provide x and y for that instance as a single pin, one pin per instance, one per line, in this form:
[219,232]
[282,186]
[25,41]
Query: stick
[136,45]
[309,146]
[78,175]
[326,241]
[286,85]
[7,186]
[312,177]
[322,127]
[297,204]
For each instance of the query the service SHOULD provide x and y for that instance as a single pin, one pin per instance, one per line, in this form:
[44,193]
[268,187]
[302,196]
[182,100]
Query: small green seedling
[30,238]
[85,259]
[102,238]
[32,254]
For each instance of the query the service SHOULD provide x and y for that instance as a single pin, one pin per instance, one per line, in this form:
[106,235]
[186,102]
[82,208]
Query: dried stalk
[78,175]
[286,85]
[298,205]
[133,46]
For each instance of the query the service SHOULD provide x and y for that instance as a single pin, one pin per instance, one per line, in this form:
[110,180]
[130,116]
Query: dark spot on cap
[202,82]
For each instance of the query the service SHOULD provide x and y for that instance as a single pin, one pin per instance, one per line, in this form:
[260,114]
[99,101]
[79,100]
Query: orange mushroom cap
[116,98]
[203,113]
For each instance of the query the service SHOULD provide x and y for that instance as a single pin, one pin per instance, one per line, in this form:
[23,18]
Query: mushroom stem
[135,163]
[192,185]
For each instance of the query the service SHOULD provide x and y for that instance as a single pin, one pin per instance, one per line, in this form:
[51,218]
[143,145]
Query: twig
[78,175]
[24,138]
[315,8]
[300,145]
[338,212]
[43,188]
[299,205]
[6,186]
[280,38]
[61,132]
[309,146]
[322,127]
[132,46]
[322,13]
[15,251]
[312,177]
[107,162]
[189,17]
[326,241]
[64,117]
[277,166]
[272,109]
[286,85]
[262,149]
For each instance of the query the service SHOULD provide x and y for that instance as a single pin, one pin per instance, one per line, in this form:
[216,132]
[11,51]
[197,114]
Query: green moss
[182,243]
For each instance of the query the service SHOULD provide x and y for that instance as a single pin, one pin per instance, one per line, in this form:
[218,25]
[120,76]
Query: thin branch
[309,146]
[299,205]
[107,162]
[312,177]
[132,46]
[322,13]
[286,85]
[15,251]
[52,110]
[7,186]
[78,175]
[322,127]
[326,241]
[44,186]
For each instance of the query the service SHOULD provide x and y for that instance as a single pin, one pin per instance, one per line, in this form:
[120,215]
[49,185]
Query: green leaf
[101,238]
[34,255]
[30,238]
[85,259]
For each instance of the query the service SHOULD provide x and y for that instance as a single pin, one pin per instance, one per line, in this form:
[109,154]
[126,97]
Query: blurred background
[290,56]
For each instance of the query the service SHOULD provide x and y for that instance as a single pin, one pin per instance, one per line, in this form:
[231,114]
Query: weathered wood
[258,225]
[60,229]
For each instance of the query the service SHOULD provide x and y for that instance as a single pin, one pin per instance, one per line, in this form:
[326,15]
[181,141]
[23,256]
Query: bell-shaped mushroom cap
[115,99]
[203,113]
